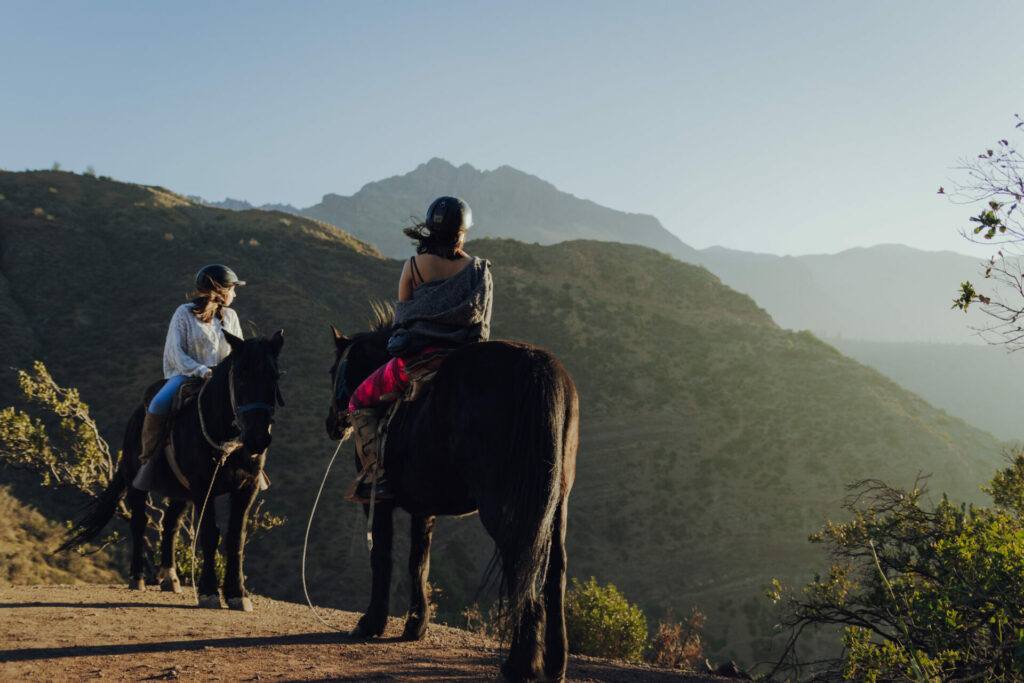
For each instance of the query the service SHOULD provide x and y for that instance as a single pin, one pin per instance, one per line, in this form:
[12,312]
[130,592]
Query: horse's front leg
[168,576]
[209,537]
[419,570]
[234,582]
[372,623]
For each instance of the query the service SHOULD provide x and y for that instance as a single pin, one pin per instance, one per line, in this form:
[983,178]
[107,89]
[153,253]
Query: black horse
[498,433]
[221,437]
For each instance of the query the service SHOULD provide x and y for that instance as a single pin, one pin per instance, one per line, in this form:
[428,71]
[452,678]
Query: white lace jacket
[193,347]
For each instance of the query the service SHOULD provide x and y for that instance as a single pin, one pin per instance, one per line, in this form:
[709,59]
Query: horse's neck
[215,408]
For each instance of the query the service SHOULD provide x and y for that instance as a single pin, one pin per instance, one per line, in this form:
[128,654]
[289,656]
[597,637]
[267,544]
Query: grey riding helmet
[218,275]
[448,215]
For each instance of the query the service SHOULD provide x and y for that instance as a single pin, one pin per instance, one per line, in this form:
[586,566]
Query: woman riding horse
[195,343]
[220,441]
[444,301]
[497,433]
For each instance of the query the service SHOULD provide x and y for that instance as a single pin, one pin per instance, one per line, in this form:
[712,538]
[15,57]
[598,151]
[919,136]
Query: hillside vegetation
[712,442]
[27,540]
[980,383]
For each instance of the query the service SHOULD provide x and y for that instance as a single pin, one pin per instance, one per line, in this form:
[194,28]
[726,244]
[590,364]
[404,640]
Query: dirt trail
[74,633]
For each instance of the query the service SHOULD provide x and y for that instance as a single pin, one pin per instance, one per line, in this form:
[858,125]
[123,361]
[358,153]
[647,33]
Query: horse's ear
[234,341]
[340,340]
[276,342]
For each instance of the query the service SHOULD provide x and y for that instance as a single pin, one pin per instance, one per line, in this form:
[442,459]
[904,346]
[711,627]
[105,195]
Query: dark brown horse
[220,442]
[497,433]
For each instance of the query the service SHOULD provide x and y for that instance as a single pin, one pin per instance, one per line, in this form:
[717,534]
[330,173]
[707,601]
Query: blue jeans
[161,403]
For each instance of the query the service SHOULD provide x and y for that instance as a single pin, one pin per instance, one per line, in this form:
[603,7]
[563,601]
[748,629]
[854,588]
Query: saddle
[421,373]
[183,397]
[167,473]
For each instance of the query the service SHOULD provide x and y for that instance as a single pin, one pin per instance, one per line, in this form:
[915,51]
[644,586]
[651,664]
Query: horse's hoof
[210,601]
[240,604]
[171,586]
[507,675]
[137,584]
[366,630]
[414,630]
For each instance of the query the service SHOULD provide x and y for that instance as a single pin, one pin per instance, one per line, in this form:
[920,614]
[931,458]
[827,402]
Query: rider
[195,343]
[444,301]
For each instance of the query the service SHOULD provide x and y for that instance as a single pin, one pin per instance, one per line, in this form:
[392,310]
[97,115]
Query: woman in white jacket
[195,343]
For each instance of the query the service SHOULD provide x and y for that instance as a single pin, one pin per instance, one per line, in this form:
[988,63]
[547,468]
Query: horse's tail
[101,509]
[536,483]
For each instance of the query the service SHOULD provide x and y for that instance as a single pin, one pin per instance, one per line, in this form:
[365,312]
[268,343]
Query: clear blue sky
[782,127]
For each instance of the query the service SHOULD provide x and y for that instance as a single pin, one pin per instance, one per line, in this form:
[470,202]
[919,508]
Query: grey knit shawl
[454,310]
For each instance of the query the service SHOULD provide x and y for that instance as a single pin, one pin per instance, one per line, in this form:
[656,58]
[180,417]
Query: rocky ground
[83,632]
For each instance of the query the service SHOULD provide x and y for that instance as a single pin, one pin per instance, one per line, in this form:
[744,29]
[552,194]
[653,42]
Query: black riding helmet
[216,274]
[449,216]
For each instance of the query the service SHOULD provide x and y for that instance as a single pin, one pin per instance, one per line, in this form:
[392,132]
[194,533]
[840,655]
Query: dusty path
[73,633]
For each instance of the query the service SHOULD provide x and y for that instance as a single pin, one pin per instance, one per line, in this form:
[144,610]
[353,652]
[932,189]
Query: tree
[995,180]
[921,594]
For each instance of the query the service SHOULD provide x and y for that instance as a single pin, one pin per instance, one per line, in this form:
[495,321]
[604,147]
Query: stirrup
[362,489]
[145,478]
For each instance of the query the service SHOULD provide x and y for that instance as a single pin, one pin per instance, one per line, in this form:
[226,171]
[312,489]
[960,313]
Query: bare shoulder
[437,267]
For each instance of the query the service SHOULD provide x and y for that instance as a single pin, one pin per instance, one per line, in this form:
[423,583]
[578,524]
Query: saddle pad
[186,393]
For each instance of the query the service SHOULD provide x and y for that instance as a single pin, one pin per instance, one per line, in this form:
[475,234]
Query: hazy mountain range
[712,441]
[878,296]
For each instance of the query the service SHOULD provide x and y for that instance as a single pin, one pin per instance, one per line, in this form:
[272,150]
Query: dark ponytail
[439,242]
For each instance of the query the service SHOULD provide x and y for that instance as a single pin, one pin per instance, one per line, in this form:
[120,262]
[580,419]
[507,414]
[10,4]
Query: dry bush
[677,643]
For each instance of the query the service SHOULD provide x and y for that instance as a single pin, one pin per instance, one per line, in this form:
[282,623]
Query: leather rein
[231,445]
[340,385]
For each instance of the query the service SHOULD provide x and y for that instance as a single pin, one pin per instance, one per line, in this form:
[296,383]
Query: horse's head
[252,385]
[355,358]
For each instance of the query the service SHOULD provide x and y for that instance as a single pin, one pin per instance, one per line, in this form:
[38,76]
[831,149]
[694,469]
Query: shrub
[601,622]
[678,644]
[922,594]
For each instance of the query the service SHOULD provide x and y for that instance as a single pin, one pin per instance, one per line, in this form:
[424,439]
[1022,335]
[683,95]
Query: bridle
[238,411]
[341,389]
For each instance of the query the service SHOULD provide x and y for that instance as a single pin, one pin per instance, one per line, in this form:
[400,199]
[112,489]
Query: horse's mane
[382,315]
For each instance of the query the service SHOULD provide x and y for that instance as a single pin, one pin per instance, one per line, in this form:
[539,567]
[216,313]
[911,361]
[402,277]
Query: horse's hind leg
[555,640]
[209,538]
[234,581]
[168,575]
[419,570]
[136,501]
[526,651]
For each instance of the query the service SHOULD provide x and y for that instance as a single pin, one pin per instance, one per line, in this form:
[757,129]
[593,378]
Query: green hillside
[979,382]
[712,442]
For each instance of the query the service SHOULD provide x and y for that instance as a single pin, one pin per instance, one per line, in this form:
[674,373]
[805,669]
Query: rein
[340,389]
[230,445]
[305,543]
[340,385]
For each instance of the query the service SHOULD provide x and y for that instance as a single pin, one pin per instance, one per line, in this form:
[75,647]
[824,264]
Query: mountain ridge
[506,202]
